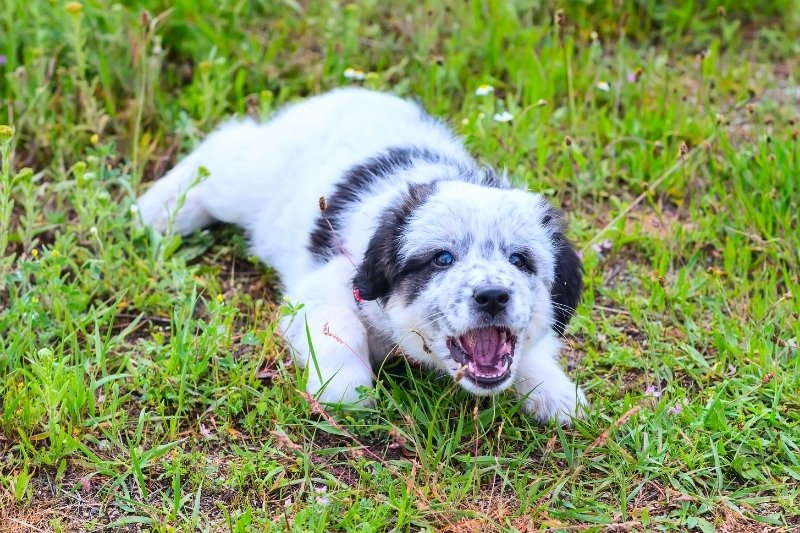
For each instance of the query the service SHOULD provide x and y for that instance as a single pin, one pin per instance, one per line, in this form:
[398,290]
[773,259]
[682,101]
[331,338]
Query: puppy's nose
[492,299]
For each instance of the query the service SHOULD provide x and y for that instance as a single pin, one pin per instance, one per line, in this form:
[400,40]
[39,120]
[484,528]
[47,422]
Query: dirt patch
[45,512]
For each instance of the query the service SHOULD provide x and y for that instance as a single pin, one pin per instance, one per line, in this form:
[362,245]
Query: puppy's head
[468,276]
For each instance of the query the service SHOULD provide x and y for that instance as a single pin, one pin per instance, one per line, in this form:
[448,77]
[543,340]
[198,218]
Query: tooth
[463,349]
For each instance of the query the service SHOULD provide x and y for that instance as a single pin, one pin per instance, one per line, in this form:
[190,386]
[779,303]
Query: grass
[142,384]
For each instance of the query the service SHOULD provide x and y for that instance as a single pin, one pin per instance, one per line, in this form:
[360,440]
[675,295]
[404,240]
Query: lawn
[142,381]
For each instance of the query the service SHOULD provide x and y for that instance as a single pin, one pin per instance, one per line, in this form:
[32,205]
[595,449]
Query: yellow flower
[220,298]
[34,253]
[6,132]
[54,253]
[94,139]
[74,8]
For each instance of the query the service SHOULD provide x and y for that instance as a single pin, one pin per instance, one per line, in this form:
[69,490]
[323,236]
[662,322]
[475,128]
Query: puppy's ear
[380,265]
[374,274]
[568,284]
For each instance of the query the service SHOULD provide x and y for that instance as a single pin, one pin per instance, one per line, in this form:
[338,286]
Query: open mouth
[486,353]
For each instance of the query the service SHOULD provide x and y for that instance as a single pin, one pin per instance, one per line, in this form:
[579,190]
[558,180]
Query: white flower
[505,116]
[93,230]
[604,86]
[134,210]
[354,74]
[484,90]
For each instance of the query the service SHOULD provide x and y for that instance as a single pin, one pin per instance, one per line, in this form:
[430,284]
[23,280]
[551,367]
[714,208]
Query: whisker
[426,321]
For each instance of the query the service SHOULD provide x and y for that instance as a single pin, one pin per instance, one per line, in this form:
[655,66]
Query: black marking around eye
[530,261]
[417,275]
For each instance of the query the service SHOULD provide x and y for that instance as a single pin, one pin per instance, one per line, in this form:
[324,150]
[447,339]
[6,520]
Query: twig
[152,319]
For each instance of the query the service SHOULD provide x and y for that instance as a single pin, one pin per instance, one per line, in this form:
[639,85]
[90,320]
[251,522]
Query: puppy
[395,240]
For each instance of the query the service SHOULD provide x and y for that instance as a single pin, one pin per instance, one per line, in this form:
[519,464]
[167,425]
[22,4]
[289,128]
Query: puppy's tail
[178,201]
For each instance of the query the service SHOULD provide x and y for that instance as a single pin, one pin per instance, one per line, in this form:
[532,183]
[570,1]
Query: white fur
[268,178]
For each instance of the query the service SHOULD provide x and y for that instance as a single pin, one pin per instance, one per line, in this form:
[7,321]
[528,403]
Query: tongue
[484,345]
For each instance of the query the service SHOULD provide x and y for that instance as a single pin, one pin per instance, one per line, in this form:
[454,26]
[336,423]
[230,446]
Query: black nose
[492,299]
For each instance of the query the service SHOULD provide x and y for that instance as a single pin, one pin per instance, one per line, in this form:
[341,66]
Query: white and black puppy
[417,249]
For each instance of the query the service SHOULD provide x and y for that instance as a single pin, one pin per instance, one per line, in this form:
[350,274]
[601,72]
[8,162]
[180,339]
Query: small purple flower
[321,497]
[635,76]
[3,60]
[678,407]
[651,390]
[602,247]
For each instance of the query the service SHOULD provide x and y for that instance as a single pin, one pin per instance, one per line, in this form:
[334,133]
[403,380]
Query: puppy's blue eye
[518,261]
[444,259]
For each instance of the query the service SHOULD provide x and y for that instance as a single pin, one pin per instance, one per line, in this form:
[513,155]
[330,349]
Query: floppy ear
[374,274]
[568,284]
[380,265]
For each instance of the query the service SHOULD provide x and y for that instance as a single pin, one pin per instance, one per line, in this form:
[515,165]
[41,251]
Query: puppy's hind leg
[186,200]
[176,201]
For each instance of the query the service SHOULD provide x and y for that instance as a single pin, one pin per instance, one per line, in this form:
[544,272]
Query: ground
[142,384]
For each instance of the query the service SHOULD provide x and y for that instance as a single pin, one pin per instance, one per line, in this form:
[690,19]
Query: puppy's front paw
[561,403]
[341,387]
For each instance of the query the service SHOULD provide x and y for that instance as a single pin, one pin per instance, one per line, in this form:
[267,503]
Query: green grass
[141,379]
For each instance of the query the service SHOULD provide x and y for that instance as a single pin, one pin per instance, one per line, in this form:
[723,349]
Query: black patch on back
[568,284]
[380,268]
[356,183]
